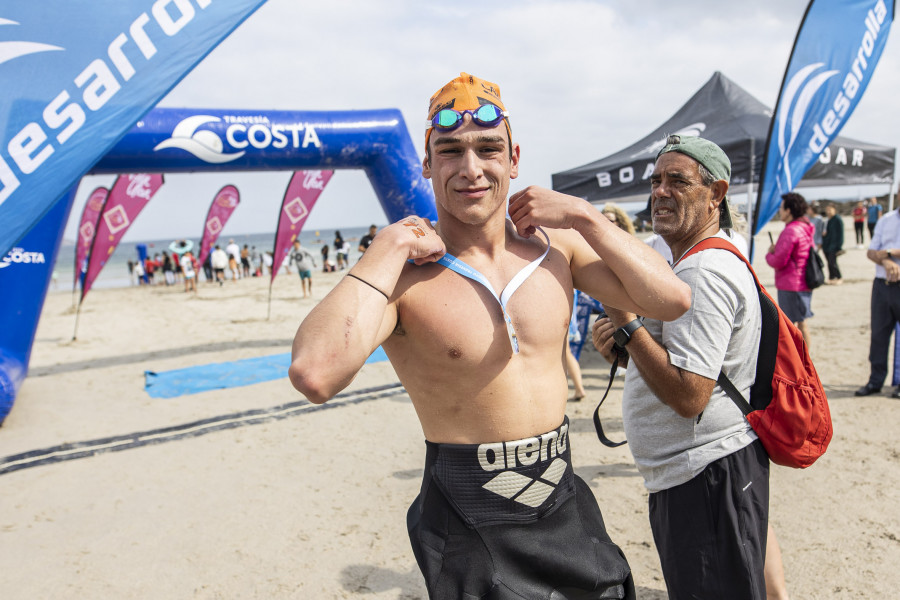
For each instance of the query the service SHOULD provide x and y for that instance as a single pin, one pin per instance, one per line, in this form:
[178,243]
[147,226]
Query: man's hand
[891,270]
[535,206]
[418,235]
[602,336]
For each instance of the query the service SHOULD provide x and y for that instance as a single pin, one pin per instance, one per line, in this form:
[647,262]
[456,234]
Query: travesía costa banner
[76,76]
[837,47]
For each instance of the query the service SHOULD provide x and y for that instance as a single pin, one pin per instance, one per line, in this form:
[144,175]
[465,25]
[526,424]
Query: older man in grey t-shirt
[705,468]
[720,332]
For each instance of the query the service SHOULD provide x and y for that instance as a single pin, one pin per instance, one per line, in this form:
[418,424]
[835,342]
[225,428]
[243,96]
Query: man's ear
[719,189]
[426,165]
[514,161]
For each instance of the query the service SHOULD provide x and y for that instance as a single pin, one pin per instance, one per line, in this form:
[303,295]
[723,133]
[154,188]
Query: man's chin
[662,229]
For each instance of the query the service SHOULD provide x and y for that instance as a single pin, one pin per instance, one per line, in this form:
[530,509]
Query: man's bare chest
[446,315]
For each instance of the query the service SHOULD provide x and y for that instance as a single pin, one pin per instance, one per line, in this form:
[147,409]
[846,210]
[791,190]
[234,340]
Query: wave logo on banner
[62,110]
[223,204]
[90,218]
[15,49]
[837,47]
[239,132]
[795,115]
[204,144]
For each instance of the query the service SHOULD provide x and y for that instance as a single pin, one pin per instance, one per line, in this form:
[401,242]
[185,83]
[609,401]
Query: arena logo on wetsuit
[76,75]
[837,48]
[526,452]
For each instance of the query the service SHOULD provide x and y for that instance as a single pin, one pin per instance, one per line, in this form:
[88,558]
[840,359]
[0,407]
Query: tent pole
[750,200]
[893,189]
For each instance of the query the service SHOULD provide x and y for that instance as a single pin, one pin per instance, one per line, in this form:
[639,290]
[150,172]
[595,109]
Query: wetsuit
[511,520]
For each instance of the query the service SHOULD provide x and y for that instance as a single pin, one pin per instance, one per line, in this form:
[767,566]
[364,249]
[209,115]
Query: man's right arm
[684,392]
[878,254]
[335,339]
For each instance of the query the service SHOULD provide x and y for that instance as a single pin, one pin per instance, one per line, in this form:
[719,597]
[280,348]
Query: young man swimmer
[473,314]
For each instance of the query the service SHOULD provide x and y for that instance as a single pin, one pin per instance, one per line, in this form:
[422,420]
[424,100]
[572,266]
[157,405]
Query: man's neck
[487,239]
[681,245]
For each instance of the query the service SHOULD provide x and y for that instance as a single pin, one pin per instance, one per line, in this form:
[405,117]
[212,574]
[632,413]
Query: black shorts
[512,521]
[711,531]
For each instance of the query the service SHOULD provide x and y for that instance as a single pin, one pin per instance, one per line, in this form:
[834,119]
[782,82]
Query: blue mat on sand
[217,376]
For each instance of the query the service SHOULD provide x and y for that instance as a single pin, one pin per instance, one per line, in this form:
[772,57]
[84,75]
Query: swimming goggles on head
[486,115]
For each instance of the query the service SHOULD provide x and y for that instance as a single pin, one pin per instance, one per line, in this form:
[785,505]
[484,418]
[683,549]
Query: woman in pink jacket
[788,256]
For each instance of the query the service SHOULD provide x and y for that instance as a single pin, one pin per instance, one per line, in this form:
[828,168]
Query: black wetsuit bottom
[511,521]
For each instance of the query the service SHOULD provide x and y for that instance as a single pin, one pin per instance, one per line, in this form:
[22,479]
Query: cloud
[581,78]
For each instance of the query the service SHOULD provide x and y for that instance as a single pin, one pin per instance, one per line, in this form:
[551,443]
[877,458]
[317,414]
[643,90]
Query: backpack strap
[722,244]
[733,393]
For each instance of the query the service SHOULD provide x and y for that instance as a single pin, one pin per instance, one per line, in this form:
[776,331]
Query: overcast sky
[581,80]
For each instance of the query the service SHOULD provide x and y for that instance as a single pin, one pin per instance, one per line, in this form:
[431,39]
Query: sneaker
[896,393]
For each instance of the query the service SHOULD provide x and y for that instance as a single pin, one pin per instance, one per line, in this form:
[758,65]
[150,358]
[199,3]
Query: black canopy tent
[728,115]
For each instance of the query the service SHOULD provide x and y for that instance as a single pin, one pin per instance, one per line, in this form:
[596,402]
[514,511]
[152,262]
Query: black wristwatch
[622,335]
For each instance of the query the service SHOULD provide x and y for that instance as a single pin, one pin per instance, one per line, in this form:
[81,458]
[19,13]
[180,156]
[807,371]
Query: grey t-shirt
[303,259]
[720,331]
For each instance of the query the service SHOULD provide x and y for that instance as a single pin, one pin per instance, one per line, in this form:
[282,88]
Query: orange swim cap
[466,92]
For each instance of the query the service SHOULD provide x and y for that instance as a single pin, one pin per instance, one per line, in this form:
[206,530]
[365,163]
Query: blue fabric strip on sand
[217,376]
[454,264]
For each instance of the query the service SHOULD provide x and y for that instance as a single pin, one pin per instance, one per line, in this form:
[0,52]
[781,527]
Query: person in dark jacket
[833,243]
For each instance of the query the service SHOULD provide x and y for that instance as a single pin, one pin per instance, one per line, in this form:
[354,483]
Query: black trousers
[885,310]
[833,271]
[871,227]
[860,232]
[711,531]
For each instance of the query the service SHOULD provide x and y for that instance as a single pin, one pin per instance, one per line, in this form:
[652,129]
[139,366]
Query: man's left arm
[607,263]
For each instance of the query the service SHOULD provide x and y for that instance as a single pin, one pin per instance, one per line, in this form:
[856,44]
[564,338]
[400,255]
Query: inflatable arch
[171,140]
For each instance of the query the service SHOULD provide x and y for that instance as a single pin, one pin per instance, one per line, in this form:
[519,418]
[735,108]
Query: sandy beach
[248,492]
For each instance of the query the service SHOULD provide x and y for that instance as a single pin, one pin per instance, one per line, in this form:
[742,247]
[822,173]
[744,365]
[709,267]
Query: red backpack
[788,408]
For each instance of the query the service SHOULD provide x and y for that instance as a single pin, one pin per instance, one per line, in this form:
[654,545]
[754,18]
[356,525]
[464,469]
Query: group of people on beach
[473,313]
[181,265]
[234,262]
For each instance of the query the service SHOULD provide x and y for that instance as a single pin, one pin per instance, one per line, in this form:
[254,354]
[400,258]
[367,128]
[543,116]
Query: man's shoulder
[715,264]
[711,259]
